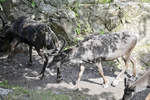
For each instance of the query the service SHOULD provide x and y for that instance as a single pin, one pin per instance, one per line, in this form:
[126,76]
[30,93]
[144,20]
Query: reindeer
[97,48]
[34,34]
[147,97]
[139,85]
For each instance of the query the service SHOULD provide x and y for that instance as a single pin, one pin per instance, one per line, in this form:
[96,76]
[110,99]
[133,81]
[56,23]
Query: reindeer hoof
[78,89]
[9,59]
[75,88]
[59,80]
[106,85]
[115,83]
[40,76]
[29,64]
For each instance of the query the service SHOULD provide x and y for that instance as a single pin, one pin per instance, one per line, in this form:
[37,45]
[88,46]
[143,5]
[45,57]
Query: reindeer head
[61,53]
[128,91]
[61,56]
[51,39]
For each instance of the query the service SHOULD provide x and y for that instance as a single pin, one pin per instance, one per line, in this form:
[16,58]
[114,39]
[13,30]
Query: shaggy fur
[96,48]
[34,34]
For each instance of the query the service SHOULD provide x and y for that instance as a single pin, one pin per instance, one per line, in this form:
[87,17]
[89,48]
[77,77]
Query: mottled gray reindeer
[137,86]
[97,48]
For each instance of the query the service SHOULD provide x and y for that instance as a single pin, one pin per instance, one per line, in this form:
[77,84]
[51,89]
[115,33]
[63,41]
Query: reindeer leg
[30,56]
[100,69]
[126,60]
[13,45]
[147,97]
[55,48]
[44,56]
[134,68]
[133,77]
[82,68]
[59,77]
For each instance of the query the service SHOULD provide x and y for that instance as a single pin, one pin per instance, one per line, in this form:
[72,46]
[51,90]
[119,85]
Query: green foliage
[145,0]
[103,1]
[78,29]
[75,7]
[19,93]
[87,28]
[101,32]
[4,84]
[33,4]
[2,0]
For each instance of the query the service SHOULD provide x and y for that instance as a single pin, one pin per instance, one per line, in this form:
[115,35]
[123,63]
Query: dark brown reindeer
[97,48]
[137,86]
[34,34]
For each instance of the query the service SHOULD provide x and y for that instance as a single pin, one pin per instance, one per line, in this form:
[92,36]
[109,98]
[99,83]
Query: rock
[4,91]
[47,9]
[141,95]
[59,3]
[63,24]
[87,1]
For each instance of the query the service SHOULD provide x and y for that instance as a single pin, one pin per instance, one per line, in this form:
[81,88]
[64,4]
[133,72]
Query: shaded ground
[18,73]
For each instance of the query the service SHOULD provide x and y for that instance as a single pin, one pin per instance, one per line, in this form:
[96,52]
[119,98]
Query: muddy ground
[18,73]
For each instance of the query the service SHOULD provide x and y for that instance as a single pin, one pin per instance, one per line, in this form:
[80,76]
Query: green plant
[2,0]
[75,8]
[19,93]
[87,28]
[4,84]
[78,29]
[33,4]
[101,32]
[103,1]
[145,0]
[20,89]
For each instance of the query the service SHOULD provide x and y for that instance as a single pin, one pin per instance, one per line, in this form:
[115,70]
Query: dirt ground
[17,72]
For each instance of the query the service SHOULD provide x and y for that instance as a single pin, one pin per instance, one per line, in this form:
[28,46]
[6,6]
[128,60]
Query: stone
[4,91]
